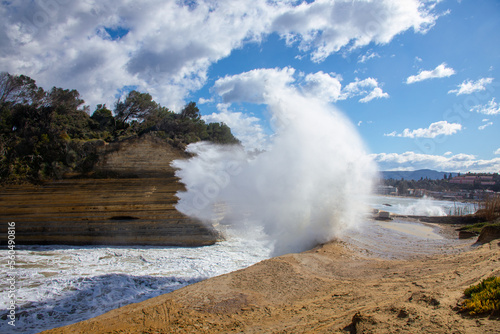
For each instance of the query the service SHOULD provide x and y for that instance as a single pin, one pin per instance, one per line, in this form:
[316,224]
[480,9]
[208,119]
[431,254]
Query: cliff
[144,156]
[138,209]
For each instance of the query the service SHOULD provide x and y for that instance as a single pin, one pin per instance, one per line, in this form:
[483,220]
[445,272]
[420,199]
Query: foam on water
[58,285]
[425,206]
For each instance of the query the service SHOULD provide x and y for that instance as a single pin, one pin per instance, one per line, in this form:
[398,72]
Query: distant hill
[415,175]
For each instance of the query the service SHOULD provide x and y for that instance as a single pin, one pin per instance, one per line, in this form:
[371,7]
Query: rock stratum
[334,288]
[136,207]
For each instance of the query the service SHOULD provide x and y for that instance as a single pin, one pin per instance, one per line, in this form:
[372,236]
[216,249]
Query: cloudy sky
[419,79]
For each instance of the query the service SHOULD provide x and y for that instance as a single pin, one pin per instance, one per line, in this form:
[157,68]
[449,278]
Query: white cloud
[368,87]
[326,26]
[376,93]
[360,122]
[469,87]
[440,71]
[434,130]
[369,55]
[166,47]
[202,100]
[246,128]
[484,126]
[324,86]
[252,86]
[451,163]
[491,108]
[497,151]
[448,153]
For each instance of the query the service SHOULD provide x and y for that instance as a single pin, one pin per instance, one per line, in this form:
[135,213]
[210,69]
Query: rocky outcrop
[103,211]
[489,233]
[136,209]
[143,156]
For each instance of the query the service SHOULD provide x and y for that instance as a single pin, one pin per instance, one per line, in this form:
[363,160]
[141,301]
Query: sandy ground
[374,282]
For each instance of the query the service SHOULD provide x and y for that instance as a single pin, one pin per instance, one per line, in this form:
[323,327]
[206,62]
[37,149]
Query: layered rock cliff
[137,207]
[143,156]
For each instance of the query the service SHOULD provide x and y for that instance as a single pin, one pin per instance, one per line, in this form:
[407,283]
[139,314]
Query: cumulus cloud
[441,71]
[497,151]
[491,108]
[252,86]
[166,47]
[434,130]
[469,87]
[368,87]
[326,26]
[450,163]
[323,85]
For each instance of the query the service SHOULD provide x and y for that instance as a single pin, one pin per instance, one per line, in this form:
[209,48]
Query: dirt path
[338,287]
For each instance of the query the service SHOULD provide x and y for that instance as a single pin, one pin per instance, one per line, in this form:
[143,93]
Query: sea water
[60,285]
[425,206]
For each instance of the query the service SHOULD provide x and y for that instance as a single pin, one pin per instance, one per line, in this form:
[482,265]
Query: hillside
[45,135]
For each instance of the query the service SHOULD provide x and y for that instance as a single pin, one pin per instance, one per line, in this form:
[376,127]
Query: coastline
[335,287]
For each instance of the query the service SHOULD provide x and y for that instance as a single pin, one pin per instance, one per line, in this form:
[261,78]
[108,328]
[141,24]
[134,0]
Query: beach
[339,287]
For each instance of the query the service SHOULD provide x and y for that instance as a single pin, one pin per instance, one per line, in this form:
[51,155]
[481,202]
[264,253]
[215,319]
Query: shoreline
[331,288]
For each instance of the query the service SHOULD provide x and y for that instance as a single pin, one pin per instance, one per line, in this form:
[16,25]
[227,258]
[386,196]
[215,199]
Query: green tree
[19,90]
[137,106]
[103,118]
[191,111]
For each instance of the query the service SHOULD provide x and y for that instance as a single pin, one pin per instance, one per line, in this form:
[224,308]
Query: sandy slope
[335,288]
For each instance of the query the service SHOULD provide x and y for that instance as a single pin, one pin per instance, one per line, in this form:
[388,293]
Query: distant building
[387,190]
[468,179]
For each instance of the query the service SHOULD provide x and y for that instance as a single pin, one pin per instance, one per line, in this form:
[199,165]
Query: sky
[420,80]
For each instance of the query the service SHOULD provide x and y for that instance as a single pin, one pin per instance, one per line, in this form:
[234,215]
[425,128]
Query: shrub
[490,208]
[483,297]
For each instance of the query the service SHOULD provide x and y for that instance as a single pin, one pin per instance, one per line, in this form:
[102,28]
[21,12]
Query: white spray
[307,188]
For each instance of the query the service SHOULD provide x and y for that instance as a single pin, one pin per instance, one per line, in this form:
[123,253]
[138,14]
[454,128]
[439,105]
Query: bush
[483,297]
[490,208]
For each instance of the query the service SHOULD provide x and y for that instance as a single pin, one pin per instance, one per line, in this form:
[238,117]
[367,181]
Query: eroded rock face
[117,211]
[489,233]
[143,156]
[104,211]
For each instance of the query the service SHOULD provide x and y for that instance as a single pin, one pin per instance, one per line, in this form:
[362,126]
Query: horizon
[417,79]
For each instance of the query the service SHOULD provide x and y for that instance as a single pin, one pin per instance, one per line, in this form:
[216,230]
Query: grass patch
[477,227]
[483,298]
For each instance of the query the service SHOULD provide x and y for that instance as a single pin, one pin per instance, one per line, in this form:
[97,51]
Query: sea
[59,285]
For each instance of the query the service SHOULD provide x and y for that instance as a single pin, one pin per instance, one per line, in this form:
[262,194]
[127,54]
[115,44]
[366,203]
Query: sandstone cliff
[143,156]
[138,210]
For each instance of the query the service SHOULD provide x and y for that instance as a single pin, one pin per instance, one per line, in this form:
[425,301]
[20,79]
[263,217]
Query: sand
[340,287]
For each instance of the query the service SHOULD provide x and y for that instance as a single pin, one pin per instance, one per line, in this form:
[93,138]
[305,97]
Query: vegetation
[478,227]
[483,298]
[490,208]
[44,134]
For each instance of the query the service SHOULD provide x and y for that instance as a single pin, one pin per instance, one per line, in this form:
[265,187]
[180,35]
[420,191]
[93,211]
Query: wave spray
[307,188]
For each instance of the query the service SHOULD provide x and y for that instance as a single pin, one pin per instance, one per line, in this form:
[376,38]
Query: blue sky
[420,80]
